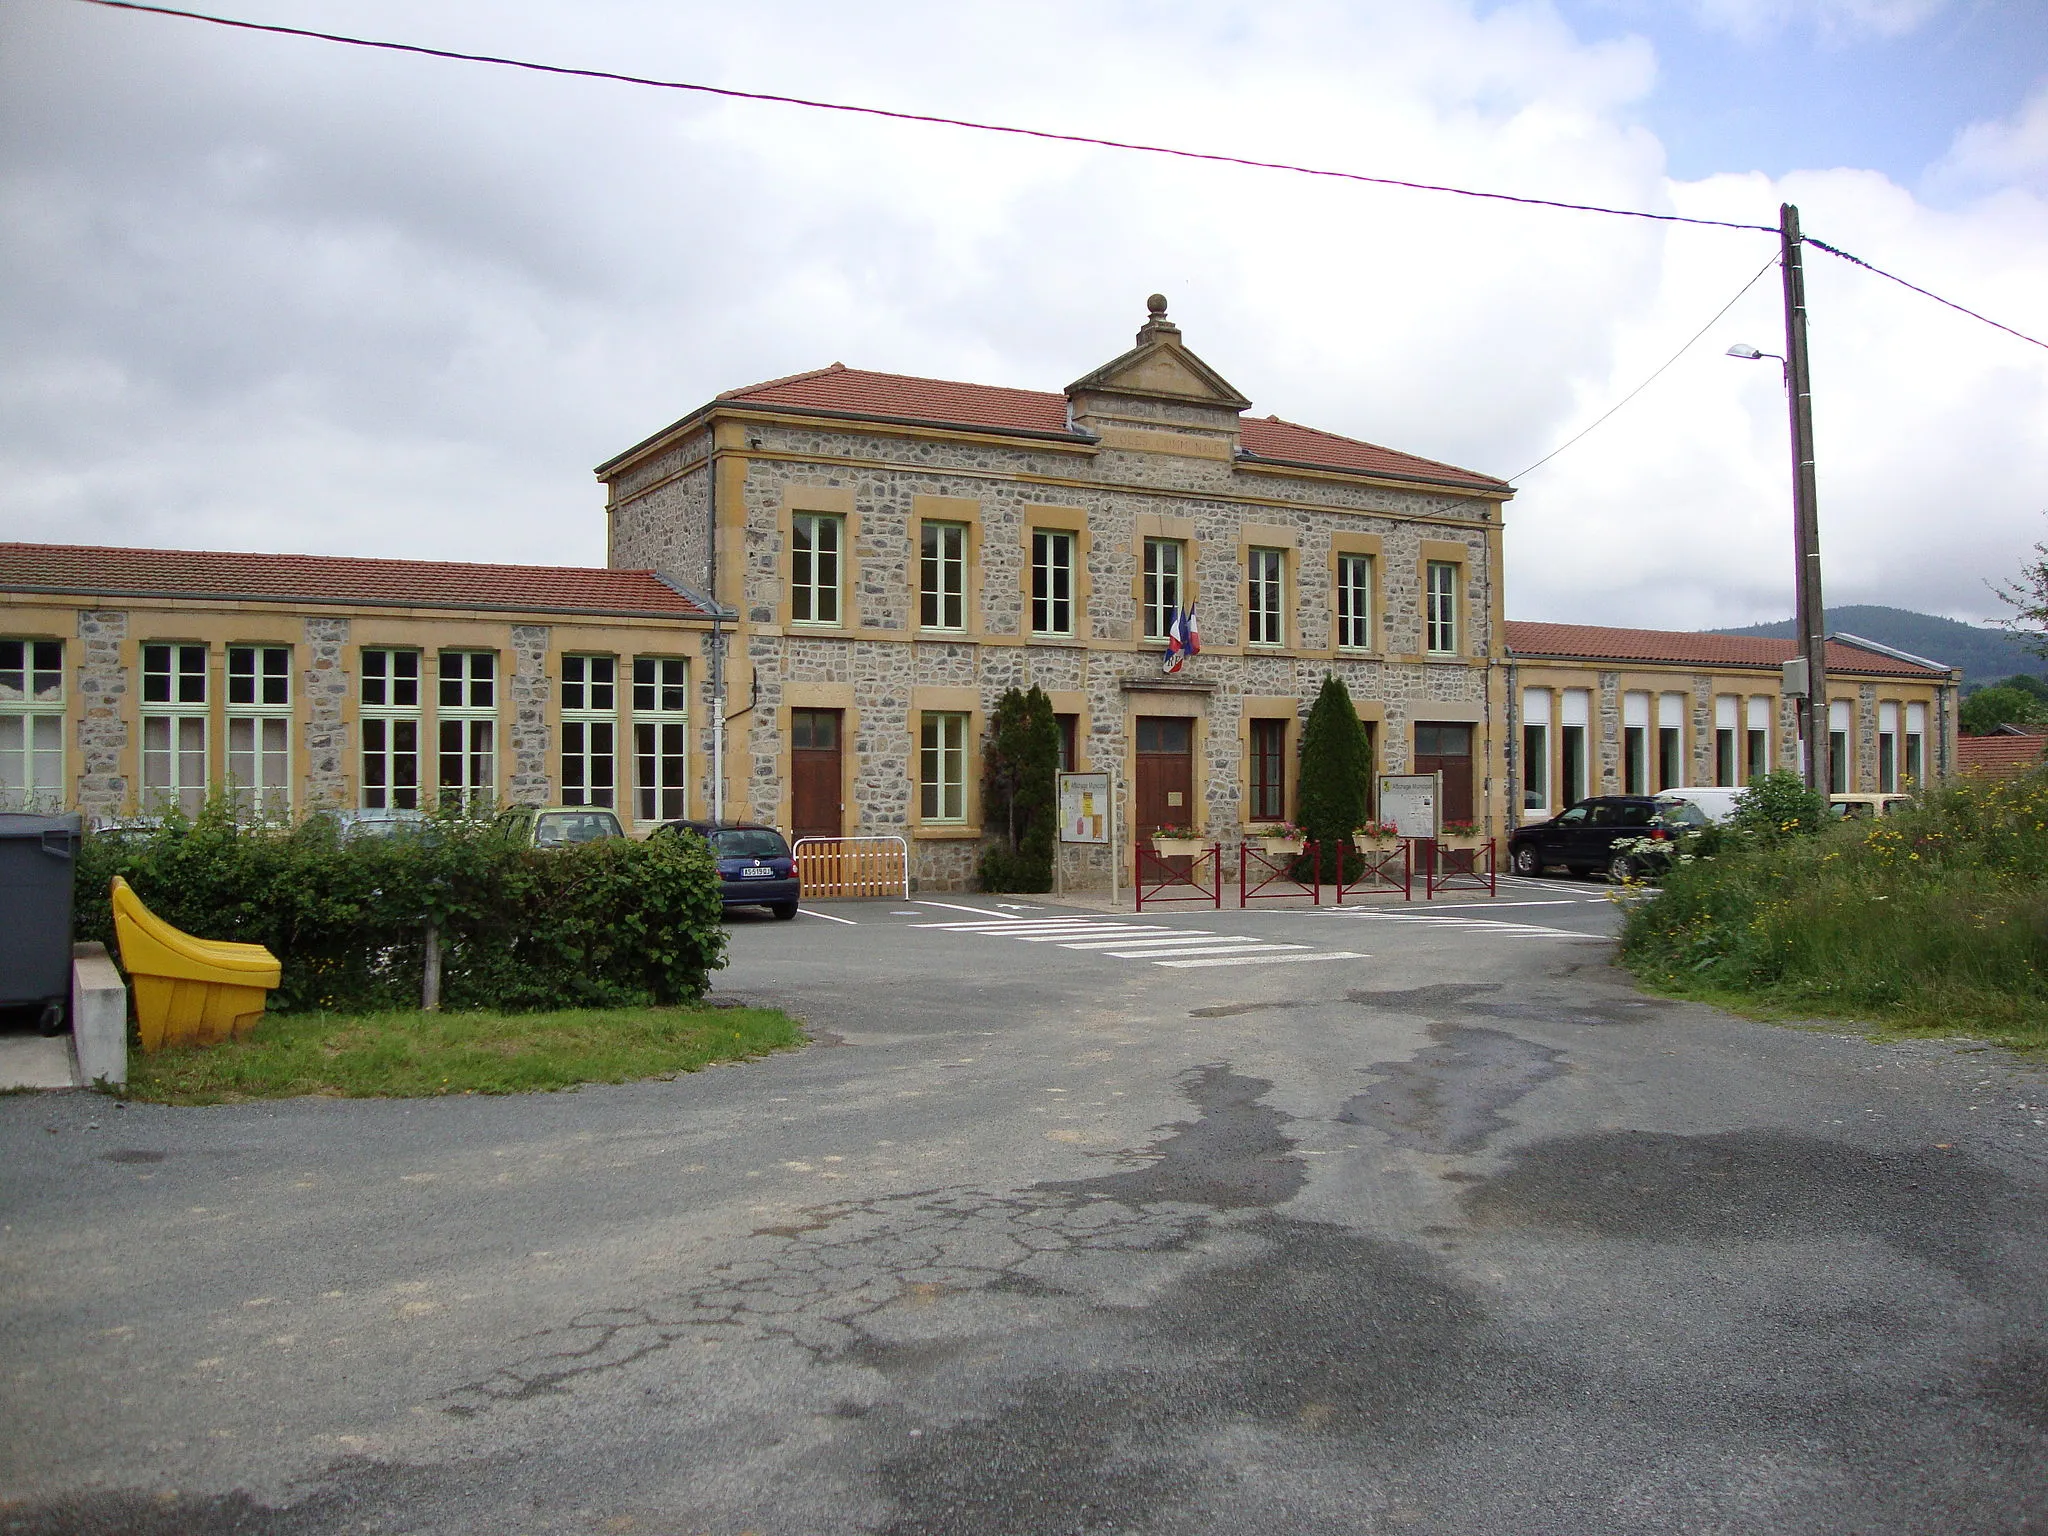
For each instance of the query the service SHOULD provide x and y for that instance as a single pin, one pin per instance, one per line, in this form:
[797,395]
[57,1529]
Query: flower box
[1277,845]
[1179,847]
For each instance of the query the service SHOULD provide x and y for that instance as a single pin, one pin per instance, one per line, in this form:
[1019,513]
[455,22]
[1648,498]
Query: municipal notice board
[1084,807]
[1409,801]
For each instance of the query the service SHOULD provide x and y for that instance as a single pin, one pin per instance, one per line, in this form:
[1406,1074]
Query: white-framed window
[467,724]
[1840,728]
[1575,719]
[1354,602]
[31,725]
[590,730]
[389,694]
[1265,595]
[1535,749]
[1727,728]
[1635,743]
[815,542]
[661,738]
[1441,638]
[260,728]
[942,576]
[1887,749]
[1916,748]
[942,767]
[1161,594]
[174,726]
[1757,743]
[1052,582]
[1671,741]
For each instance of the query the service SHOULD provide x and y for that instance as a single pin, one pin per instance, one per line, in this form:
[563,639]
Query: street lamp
[1805,515]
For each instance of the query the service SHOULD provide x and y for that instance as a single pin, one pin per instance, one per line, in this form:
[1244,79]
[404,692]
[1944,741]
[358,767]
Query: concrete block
[99,1015]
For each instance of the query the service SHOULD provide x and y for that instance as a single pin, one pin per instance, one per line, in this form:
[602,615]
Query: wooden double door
[1447,749]
[1166,771]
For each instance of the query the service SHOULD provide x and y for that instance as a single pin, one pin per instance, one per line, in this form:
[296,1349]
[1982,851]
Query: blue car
[755,867]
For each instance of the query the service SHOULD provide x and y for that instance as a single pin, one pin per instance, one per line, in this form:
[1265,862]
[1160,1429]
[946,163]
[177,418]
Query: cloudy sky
[265,293]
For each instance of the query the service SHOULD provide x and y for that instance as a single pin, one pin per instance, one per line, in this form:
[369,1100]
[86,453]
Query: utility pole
[1805,512]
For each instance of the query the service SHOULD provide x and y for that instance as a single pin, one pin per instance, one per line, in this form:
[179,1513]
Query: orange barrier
[853,866]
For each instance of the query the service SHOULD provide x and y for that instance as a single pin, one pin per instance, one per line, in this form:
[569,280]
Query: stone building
[1598,711]
[133,679]
[897,552]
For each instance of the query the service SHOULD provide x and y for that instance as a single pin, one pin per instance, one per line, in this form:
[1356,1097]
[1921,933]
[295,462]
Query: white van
[1715,802]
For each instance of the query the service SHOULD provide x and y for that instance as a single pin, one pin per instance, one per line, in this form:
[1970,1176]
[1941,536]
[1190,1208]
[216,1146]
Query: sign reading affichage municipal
[1409,801]
[1084,807]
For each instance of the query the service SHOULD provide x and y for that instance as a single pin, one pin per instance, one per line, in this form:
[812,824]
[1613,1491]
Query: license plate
[756,874]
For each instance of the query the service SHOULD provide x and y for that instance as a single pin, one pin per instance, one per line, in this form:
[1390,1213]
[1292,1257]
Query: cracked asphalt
[1461,1235]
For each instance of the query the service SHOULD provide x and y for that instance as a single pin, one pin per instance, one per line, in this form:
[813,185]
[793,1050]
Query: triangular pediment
[1161,370]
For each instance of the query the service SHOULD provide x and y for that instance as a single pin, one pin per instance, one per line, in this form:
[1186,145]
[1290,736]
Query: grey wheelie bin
[38,858]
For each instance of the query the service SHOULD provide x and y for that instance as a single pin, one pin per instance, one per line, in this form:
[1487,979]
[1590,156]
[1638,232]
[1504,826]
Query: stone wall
[661,516]
[531,780]
[103,790]
[326,683]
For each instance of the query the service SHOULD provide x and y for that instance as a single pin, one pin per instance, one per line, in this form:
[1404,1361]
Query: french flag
[1176,643]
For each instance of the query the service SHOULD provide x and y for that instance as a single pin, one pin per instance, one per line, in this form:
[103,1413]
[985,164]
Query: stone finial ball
[1156,304]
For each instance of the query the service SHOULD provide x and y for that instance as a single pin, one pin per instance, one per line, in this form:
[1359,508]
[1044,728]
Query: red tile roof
[82,569]
[1999,754]
[1591,642]
[942,402]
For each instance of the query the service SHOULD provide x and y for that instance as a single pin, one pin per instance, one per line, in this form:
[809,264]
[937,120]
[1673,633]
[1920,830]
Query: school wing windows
[468,725]
[661,737]
[590,727]
[174,727]
[390,698]
[260,727]
[31,725]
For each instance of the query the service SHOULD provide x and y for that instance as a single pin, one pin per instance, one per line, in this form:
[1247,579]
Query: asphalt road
[1386,1221]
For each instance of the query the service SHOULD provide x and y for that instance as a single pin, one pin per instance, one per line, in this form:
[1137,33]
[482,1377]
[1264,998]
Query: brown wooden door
[815,778]
[1447,749]
[1166,772]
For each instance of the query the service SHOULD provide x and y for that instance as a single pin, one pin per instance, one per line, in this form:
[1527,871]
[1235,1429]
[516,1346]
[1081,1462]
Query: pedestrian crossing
[1178,949]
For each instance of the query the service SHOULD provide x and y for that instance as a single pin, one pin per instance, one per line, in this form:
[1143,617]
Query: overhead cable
[1624,400]
[1923,292]
[916,117]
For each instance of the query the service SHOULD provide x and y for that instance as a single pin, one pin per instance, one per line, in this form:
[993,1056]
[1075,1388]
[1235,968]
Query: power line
[1624,400]
[916,117]
[1045,134]
[1924,293]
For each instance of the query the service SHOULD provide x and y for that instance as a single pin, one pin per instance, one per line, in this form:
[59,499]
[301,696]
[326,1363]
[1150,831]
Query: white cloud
[1836,21]
[2012,152]
[279,295]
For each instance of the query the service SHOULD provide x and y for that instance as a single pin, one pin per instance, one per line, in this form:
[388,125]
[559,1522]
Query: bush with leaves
[1778,804]
[1336,764]
[1020,792]
[611,923]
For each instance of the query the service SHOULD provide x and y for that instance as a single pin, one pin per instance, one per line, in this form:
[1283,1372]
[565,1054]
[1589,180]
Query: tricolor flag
[1191,637]
[1176,644]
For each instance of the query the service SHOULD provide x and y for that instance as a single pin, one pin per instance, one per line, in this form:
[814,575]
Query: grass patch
[423,1055]
[1933,922]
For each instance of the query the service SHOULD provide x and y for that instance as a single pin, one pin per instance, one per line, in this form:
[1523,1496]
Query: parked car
[1866,807]
[1582,837]
[755,866]
[356,825]
[558,826]
[1716,801]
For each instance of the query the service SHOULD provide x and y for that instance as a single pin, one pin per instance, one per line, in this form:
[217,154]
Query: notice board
[1084,807]
[1409,801]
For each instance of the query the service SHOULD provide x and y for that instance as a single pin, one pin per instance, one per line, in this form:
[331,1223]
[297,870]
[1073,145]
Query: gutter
[1893,652]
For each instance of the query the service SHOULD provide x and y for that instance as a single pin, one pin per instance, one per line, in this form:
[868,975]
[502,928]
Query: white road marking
[807,912]
[1134,941]
[1513,930]
[1327,954]
[956,907]
[1203,949]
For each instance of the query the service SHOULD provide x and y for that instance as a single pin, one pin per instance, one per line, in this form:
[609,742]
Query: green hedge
[613,923]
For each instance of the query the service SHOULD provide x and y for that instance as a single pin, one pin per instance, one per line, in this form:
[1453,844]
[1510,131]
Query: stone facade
[1156,451]
[325,685]
[101,713]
